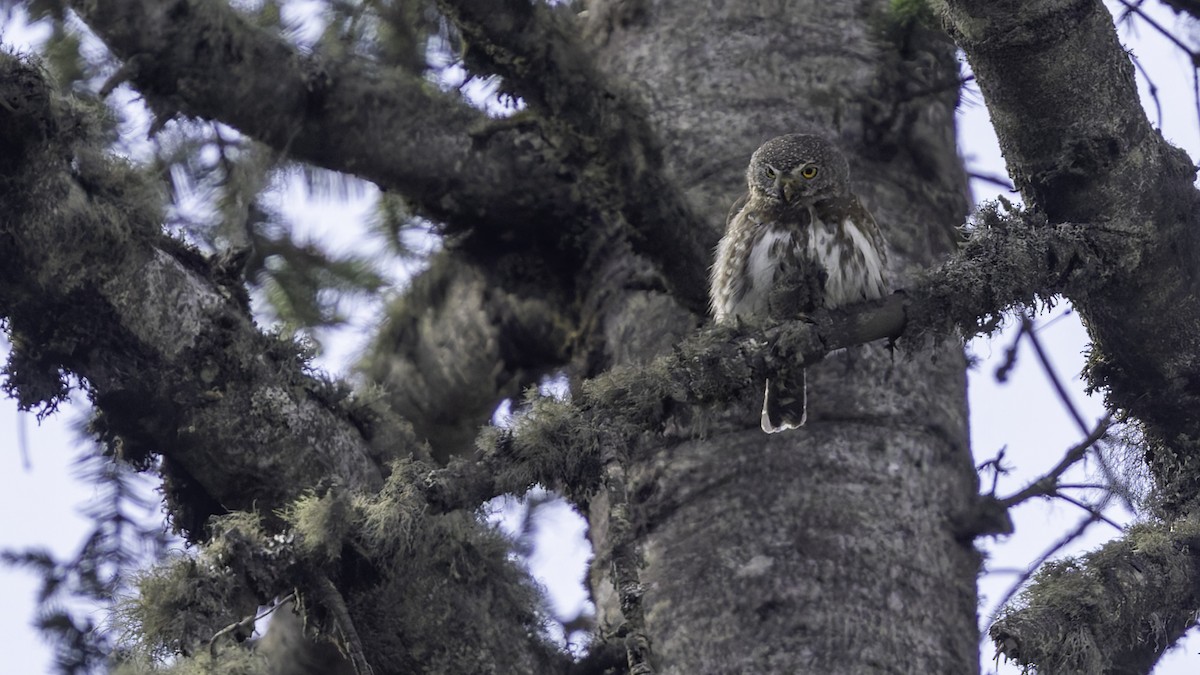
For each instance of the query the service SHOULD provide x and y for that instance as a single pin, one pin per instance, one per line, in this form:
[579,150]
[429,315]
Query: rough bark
[168,349]
[778,554]
[1115,610]
[1097,160]
[201,58]
[501,180]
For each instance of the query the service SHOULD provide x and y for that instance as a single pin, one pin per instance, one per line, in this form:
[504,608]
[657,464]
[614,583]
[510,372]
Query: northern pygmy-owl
[797,219]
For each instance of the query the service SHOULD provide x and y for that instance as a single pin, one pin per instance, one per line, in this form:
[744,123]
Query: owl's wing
[736,208]
[870,228]
[727,283]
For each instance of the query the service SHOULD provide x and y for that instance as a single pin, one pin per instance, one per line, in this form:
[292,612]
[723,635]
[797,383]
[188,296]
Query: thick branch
[176,367]
[170,354]
[201,58]
[1061,93]
[1112,611]
[1009,261]
[599,128]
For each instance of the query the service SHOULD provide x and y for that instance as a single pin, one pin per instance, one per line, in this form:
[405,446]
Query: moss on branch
[1115,610]
[168,354]
[1011,259]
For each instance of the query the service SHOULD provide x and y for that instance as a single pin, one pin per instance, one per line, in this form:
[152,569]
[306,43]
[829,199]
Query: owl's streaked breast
[757,251]
[853,265]
[749,259]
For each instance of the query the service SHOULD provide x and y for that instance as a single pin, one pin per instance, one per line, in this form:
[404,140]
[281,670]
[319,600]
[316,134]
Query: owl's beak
[777,188]
[785,189]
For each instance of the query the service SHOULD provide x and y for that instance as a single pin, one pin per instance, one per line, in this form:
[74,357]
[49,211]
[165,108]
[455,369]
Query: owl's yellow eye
[770,173]
[809,172]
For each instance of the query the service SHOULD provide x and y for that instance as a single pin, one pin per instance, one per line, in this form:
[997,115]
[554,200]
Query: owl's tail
[785,402]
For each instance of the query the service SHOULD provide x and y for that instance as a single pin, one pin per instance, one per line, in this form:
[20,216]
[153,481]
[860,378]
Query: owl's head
[797,169]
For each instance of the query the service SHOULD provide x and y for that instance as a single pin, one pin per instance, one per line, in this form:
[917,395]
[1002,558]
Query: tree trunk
[832,548]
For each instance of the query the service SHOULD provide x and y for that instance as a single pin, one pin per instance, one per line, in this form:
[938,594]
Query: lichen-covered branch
[1115,610]
[1010,260]
[168,351]
[390,126]
[201,58]
[1061,93]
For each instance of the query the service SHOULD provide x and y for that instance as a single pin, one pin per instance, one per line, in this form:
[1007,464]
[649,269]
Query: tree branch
[1009,261]
[1062,95]
[598,128]
[201,58]
[1115,610]
[176,369]
[390,126]
[1048,484]
[167,349]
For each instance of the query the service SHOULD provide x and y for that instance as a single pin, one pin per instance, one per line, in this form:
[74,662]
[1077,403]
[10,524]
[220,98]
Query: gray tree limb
[597,125]
[1098,161]
[1115,610]
[166,349]
[1009,261]
[390,126]
[169,351]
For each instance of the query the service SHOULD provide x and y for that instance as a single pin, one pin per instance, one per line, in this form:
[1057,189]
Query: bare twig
[994,179]
[247,623]
[1116,484]
[1153,89]
[1047,485]
[1010,355]
[1090,509]
[996,466]
[1053,320]
[1131,8]
[1136,9]
[1051,374]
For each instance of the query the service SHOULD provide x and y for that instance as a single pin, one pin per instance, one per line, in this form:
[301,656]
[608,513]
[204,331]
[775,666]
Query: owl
[798,218]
